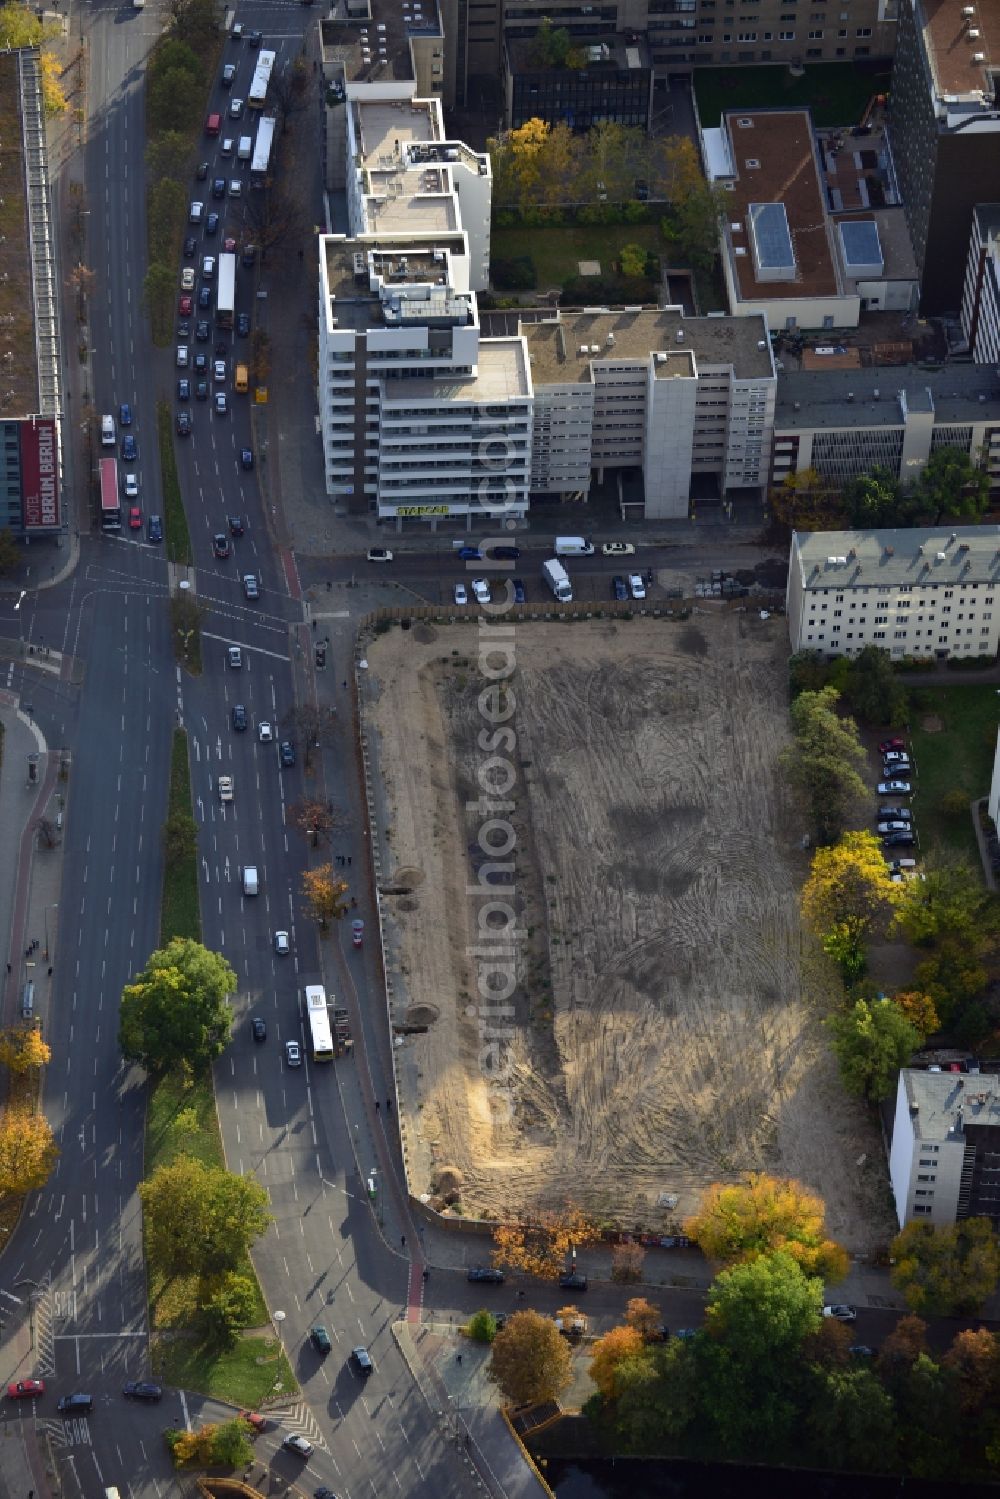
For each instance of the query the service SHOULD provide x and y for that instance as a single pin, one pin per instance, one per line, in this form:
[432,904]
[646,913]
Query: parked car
[518,588]
[506,553]
[902,814]
[893,826]
[572,1280]
[469,554]
[461,594]
[485,1275]
[481,590]
[898,840]
[362,1361]
[841,1312]
[889,745]
[894,788]
[618,549]
[892,757]
[637,587]
[618,588]
[379,554]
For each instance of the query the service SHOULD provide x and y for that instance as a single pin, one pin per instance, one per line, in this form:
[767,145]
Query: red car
[888,745]
[254,1419]
[357,932]
[229,246]
[185,306]
[135,519]
[26,1389]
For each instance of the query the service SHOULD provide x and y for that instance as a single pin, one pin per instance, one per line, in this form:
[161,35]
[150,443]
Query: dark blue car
[154,528]
[618,589]
[469,554]
[125,414]
[130,451]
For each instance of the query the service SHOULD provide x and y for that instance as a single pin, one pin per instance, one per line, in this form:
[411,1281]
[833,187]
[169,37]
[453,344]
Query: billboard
[39,474]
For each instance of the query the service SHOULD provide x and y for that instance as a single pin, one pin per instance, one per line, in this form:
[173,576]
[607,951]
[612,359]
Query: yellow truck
[242,378]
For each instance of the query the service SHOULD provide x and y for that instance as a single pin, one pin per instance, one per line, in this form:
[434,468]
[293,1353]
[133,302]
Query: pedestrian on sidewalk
[388,1105]
[376,1105]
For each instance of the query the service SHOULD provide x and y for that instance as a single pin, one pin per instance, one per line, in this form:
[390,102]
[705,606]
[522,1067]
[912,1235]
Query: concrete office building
[981,291]
[690,401]
[923,593]
[945,131]
[680,34]
[846,422]
[614,82]
[811,234]
[944,1160]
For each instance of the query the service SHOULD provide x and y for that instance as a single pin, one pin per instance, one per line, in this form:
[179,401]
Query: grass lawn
[180,915]
[250,1374]
[960,757]
[837,92]
[556,251]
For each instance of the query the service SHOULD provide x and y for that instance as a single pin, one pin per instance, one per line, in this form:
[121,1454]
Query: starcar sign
[39,474]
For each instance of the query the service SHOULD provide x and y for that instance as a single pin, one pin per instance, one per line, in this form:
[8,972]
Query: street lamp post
[53,906]
[20,627]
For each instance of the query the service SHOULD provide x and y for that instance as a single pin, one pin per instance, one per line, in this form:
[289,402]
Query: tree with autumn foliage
[23,1050]
[646,1318]
[946,1269]
[325,895]
[530,1361]
[27,1151]
[542,1246]
[313,818]
[217,1444]
[974,1361]
[627,1261]
[21,27]
[825,761]
[741,1220]
[849,887]
[617,1345]
[805,501]
[919,1010]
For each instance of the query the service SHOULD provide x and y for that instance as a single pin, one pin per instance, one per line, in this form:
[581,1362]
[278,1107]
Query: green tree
[226,1307]
[950,901]
[761,1214]
[482,1326]
[530,1362]
[825,761]
[201,1220]
[173,98]
[927,1407]
[551,46]
[872,1040]
[697,207]
[949,1269]
[951,485]
[167,157]
[761,1309]
[873,500]
[632,259]
[852,1420]
[10,553]
[952,975]
[196,23]
[974,1362]
[656,1397]
[174,1013]
[873,690]
[166,204]
[158,292]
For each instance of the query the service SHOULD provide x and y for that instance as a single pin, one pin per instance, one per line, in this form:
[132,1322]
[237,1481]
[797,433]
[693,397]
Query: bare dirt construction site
[663,1025]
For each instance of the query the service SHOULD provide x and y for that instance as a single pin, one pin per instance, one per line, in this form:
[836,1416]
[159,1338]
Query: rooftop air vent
[751,164]
[679,336]
[979,57]
[745,123]
[890,551]
[762,343]
[942,556]
[876,393]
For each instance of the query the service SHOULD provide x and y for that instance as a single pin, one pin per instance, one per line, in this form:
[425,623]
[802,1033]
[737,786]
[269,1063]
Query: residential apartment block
[944,1160]
[680,34]
[945,130]
[813,231]
[846,422]
[981,292]
[918,593]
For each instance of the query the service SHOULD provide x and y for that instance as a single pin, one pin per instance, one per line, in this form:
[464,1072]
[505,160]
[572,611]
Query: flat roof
[555,346]
[897,558]
[821,396]
[356,306]
[774,158]
[624,54]
[502,374]
[935,1098]
[376,48]
[950,49]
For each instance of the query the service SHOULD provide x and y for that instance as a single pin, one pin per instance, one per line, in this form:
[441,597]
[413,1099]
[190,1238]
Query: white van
[557,578]
[251,885]
[107,431]
[245,149]
[574,546]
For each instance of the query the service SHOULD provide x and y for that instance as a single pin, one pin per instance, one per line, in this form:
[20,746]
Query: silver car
[293,1056]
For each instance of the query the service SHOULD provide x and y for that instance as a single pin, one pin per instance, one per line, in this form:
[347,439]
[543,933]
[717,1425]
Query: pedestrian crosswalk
[75,1433]
[298,1420]
[44,1330]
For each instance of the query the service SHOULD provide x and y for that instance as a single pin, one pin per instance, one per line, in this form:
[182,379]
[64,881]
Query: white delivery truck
[557,578]
[574,546]
[244,150]
[107,431]
[251,884]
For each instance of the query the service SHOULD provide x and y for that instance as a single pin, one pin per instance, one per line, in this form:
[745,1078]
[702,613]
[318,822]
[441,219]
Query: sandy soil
[663,1031]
